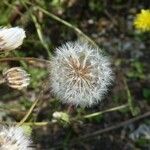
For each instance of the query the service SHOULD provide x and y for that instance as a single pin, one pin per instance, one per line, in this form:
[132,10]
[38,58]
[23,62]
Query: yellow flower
[142,20]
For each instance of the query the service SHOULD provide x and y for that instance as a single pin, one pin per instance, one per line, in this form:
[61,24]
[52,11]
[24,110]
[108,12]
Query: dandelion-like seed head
[80,74]
[13,138]
[142,20]
[16,78]
[11,38]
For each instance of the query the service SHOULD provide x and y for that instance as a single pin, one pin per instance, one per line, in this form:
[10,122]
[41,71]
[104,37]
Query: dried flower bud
[13,138]
[11,38]
[16,78]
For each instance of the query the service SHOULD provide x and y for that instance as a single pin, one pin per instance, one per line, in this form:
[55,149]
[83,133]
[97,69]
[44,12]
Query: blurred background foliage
[110,25]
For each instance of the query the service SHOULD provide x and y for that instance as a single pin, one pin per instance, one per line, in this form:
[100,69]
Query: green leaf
[146,93]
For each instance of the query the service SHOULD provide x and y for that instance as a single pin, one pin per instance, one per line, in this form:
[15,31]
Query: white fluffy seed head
[13,138]
[80,74]
[11,38]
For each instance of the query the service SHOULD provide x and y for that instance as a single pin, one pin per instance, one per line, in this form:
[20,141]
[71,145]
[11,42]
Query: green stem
[27,123]
[129,97]
[33,105]
[77,30]
[105,111]
[28,113]
[72,119]
[40,35]
[39,30]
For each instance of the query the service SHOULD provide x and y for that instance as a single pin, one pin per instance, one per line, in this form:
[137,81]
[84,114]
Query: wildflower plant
[142,20]
[80,74]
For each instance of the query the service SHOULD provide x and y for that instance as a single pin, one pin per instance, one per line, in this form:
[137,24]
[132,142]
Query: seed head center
[80,70]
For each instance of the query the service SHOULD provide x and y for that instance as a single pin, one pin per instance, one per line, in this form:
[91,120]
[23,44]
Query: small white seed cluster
[80,74]
[13,138]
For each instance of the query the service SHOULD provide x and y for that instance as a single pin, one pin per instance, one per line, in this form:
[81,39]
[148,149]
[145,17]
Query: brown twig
[114,127]
[12,111]
[29,59]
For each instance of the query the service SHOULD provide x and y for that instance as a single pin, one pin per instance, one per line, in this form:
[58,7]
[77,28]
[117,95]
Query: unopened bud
[11,38]
[16,78]
[57,115]
[62,116]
